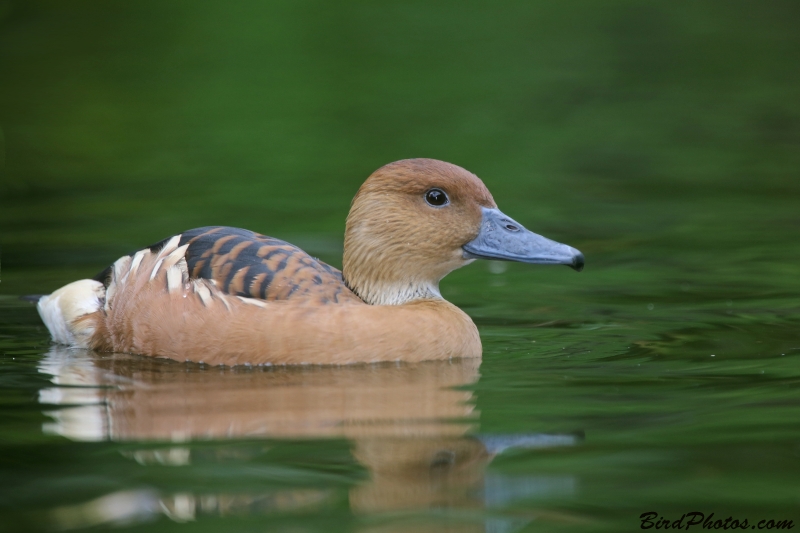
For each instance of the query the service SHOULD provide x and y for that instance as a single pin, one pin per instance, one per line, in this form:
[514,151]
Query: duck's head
[414,221]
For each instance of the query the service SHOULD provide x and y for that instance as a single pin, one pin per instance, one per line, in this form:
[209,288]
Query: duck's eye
[436,198]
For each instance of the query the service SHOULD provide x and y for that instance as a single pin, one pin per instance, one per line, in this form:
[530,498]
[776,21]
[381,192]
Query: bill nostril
[512,227]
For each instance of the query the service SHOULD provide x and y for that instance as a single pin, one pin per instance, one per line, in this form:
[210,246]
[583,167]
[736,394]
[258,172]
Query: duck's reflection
[137,398]
[410,426]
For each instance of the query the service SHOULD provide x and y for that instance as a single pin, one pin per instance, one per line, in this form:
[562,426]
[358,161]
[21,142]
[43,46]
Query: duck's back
[244,263]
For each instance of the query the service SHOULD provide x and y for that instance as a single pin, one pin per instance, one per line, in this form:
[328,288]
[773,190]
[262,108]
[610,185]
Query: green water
[662,141]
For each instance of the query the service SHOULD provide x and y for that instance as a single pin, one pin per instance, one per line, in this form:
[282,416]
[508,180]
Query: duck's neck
[388,277]
[399,292]
[385,261]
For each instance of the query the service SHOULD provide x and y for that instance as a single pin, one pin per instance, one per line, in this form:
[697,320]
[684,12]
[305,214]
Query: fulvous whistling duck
[227,296]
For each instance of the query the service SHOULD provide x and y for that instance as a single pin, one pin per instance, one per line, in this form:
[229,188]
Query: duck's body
[229,296]
[181,315]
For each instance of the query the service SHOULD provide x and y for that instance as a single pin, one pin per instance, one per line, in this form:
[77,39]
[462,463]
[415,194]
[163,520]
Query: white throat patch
[399,294]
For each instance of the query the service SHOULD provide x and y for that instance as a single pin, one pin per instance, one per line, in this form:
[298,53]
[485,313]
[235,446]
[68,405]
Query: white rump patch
[60,310]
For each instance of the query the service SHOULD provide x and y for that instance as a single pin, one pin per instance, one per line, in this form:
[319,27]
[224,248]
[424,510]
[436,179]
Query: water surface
[661,142]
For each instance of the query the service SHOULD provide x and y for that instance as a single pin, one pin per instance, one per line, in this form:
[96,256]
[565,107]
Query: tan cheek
[443,229]
[419,208]
[450,235]
[470,222]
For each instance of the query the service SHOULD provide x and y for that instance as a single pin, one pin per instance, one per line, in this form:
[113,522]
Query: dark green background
[660,138]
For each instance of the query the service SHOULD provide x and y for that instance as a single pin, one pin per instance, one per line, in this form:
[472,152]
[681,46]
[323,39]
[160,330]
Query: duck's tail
[76,312]
[63,310]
